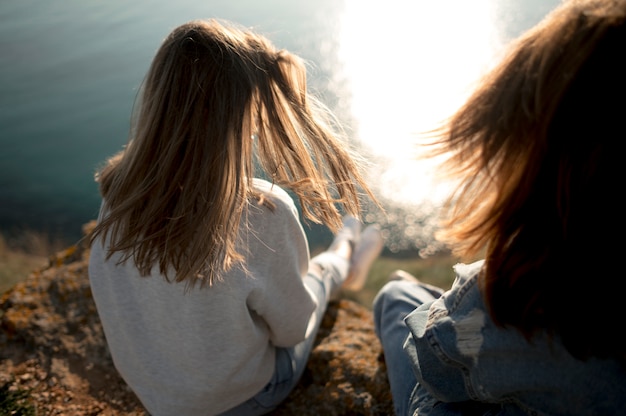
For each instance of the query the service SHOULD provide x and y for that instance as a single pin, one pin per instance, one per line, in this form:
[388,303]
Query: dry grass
[436,270]
[19,257]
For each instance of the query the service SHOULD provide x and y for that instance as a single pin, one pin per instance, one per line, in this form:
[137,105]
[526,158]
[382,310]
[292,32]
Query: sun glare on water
[410,65]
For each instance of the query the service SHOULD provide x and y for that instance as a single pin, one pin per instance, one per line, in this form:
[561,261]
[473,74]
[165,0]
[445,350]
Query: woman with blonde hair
[534,328]
[199,264]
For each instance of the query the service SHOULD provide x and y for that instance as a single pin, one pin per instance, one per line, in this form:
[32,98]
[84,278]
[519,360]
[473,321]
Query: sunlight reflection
[411,64]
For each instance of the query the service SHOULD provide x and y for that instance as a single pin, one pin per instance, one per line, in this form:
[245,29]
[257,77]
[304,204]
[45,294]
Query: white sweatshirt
[207,350]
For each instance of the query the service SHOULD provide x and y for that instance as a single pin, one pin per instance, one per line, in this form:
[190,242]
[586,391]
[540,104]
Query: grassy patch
[16,264]
[436,270]
[15,401]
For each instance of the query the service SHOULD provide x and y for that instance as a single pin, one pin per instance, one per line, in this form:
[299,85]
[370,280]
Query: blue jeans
[324,278]
[392,304]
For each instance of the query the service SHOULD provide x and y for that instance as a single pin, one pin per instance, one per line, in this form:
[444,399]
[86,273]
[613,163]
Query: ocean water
[70,70]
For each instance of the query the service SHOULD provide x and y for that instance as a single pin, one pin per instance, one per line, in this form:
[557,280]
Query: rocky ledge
[52,347]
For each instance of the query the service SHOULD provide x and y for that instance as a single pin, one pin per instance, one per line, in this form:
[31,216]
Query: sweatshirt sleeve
[279,260]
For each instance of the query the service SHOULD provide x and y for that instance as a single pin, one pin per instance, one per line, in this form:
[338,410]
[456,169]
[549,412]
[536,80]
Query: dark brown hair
[539,149]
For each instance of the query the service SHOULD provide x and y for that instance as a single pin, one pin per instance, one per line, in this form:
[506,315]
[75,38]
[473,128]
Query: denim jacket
[466,365]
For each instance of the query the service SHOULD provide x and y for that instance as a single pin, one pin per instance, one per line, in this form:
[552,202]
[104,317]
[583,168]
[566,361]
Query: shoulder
[271,189]
[465,272]
[461,308]
[463,299]
[275,235]
[281,214]
[279,197]
[463,303]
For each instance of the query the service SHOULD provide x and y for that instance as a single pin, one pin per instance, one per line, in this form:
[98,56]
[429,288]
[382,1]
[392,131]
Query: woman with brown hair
[534,328]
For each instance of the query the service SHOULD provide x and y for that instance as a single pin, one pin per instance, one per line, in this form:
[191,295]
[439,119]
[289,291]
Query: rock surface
[52,345]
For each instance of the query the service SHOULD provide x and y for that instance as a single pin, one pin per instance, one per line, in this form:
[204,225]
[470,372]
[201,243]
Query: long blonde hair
[539,150]
[219,106]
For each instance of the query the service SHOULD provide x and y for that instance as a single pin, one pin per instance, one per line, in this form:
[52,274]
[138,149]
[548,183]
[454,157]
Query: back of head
[176,194]
[538,148]
[186,154]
